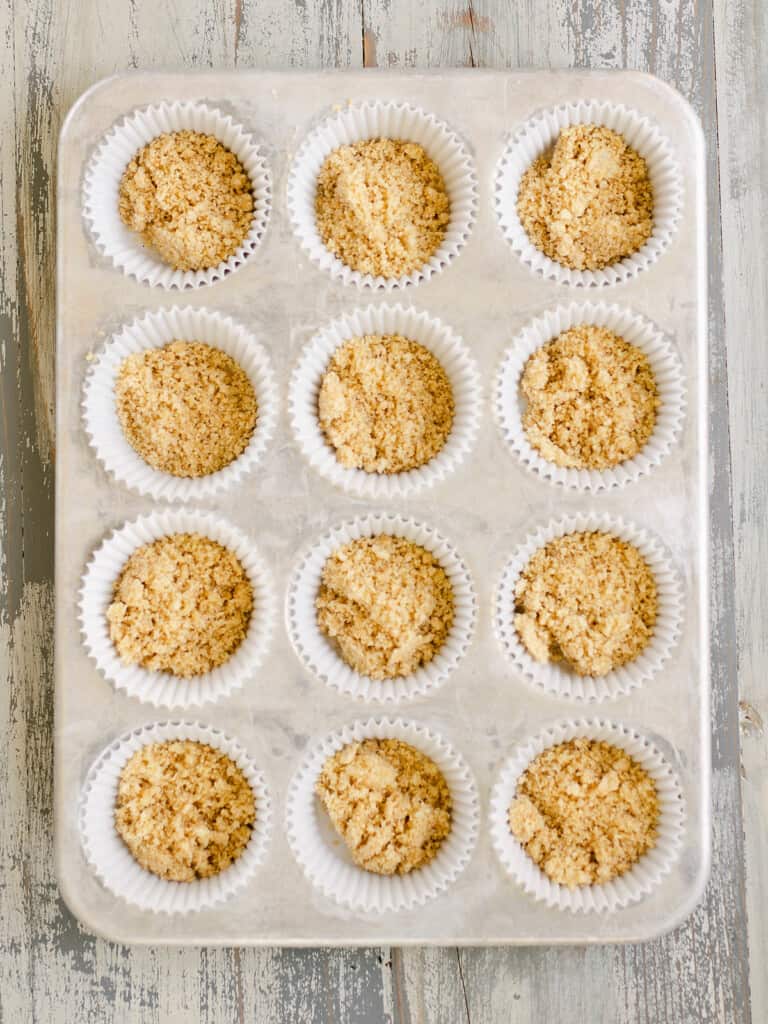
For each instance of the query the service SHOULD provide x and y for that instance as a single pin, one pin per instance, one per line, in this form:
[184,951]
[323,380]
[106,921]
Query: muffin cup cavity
[321,853]
[152,331]
[162,689]
[455,359]
[316,651]
[538,134]
[553,677]
[372,120]
[105,170]
[509,402]
[110,858]
[650,869]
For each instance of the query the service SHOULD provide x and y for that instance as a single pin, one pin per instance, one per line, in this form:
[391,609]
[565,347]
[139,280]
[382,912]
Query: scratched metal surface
[50,969]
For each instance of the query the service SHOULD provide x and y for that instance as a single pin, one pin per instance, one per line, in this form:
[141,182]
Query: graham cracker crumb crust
[184,810]
[591,399]
[386,604]
[187,408]
[587,600]
[585,812]
[189,198]
[389,802]
[181,604]
[385,404]
[588,202]
[381,206]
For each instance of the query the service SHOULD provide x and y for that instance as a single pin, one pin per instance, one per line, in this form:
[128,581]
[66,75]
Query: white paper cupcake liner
[318,653]
[644,875]
[111,859]
[539,134]
[105,170]
[509,402]
[552,676]
[321,853]
[162,688]
[373,120]
[416,326]
[153,331]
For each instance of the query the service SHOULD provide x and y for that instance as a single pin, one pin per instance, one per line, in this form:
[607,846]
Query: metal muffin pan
[487,506]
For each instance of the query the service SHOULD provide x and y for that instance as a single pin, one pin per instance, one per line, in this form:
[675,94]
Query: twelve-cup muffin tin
[485,506]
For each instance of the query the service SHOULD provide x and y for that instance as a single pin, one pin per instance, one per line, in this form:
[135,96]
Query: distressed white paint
[741,33]
[50,50]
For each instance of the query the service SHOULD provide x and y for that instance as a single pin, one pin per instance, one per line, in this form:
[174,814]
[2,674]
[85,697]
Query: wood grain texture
[741,41]
[49,969]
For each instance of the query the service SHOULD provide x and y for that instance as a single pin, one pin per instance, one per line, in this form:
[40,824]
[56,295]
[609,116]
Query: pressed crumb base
[187,408]
[385,404]
[591,399]
[189,198]
[184,810]
[381,206]
[181,604]
[588,202]
[386,604]
[389,802]
[588,600]
[585,812]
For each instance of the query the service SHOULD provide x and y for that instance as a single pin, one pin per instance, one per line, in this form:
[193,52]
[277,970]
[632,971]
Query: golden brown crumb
[591,399]
[385,404]
[588,202]
[187,408]
[189,198]
[389,802]
[588,599]
[381,206]
[184,809]
[182,604]
[387,605]
[585,812]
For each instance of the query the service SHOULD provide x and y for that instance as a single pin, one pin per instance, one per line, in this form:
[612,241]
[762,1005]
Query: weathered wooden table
[716,54]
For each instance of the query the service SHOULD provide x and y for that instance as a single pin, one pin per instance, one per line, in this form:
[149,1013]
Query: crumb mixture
[189,198]
[588,202]
[187,408]
[389,802]
[182,604]
[183,809]
[585,812]
[591,399]
[385,404]
[588,600]
[382,206]
[386,604]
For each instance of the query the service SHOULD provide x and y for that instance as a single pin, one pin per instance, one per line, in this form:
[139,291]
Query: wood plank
[741,51]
